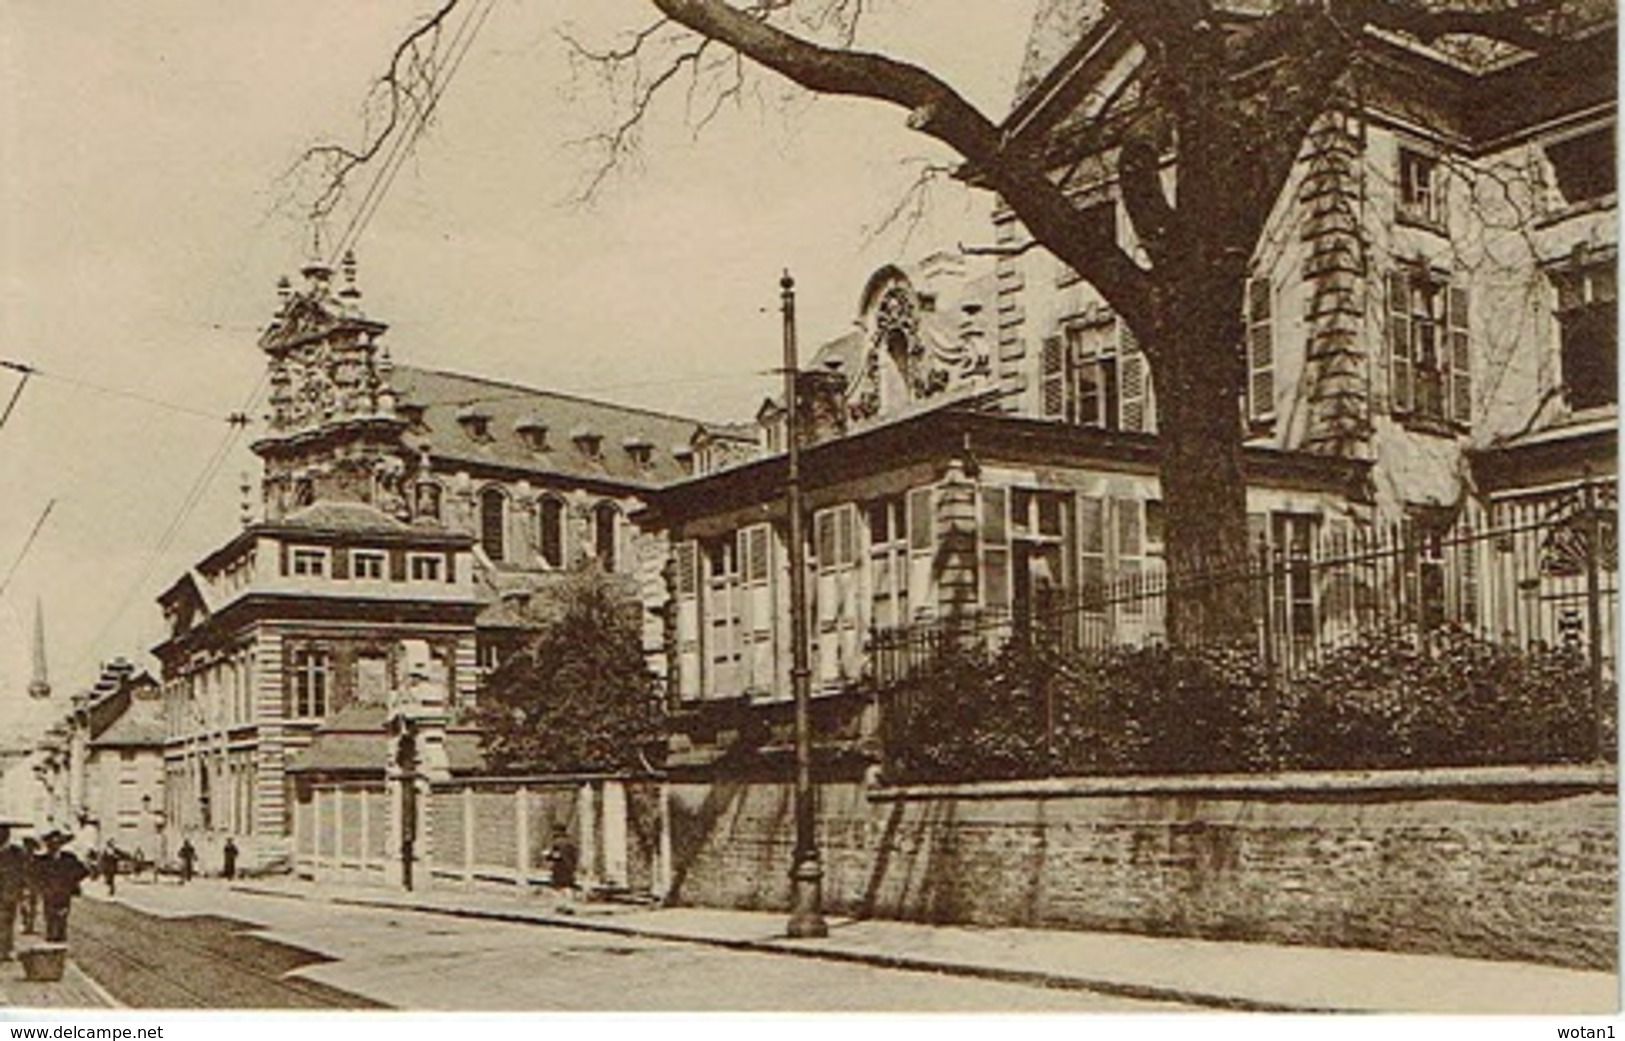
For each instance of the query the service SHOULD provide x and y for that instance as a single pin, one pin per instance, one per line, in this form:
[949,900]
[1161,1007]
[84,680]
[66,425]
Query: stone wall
[1507,863]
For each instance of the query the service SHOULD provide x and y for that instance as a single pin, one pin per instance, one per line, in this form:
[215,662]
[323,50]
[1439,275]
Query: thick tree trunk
[1204,489]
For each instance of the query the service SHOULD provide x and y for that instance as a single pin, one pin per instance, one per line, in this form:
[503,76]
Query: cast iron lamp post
[806,873]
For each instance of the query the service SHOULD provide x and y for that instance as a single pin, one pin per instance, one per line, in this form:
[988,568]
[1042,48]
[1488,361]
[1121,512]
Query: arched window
[550,520]
[492,508]
[604,527]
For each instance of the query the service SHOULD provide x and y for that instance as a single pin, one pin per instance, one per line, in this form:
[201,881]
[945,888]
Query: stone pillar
[521,836]
[614,834]
[587,835]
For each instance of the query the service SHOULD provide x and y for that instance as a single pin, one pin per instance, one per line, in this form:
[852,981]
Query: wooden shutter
[687,581]
[1402,390]
[1260,351]
[994,544]
[1092,552]
[1052,378]
[922,544]
[1459,356]
[1134,382]
[838,632]
[757,597]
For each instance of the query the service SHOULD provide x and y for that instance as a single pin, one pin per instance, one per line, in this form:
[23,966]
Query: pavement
[74,991]
[1204,973]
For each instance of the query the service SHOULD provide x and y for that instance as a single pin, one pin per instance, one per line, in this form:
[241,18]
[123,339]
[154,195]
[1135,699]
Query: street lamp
[806,873]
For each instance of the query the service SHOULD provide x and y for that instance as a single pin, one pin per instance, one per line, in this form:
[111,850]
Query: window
[367,564]
[836,628]
[888,563]
[605,534]
[687,582]
[756,596]
[1092,354]
[533,432]
[1040,523]
[1584,166]
[493,510]
[427,500]
[550,523]
[723,609]
[424,567]
[1292,536]
[1587,323]
[309,683]
[1420,188]
[1093,374]
[1429,348]
[309,561]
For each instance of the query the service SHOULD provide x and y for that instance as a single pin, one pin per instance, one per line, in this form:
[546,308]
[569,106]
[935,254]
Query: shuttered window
[687,581]
[1134,382]
[1052,378]
[1429,347]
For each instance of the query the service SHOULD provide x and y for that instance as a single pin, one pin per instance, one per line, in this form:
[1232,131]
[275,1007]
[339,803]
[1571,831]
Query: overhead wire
[119,392]
[28,544]
[406,137]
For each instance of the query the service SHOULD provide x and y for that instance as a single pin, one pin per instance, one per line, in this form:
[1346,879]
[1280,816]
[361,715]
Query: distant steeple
[39,685]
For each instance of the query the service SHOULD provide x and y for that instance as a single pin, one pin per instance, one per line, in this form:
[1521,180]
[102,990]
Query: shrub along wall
[1507,863]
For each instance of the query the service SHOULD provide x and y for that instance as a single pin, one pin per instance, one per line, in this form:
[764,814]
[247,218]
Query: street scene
[1055,506]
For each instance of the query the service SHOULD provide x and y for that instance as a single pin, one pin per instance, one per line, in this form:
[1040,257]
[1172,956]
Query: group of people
[38,881]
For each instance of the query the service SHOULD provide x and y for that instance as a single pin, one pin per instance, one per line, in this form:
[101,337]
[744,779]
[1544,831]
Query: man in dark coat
[60,873]
[13,877]
[229,855]
[563,857]
[188,858]
[30,900]
[109,867]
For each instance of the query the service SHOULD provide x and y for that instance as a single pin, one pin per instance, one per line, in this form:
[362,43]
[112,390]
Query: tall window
[605,529]
[1429,348]
[550,521]
[309,674]
[686,563]
[1585,165]
[1590,334]
[493,507]
[836,628]
[724,621]
[1293,536]
[888,563]
[1040,523]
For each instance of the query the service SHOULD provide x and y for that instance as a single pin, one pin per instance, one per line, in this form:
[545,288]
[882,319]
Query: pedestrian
[188,857]
[60,873]
[230,855]
[31,901]
[563,856]
[13,876]
[109,866]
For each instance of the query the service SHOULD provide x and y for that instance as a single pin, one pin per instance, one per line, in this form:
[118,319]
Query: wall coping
[1584,777]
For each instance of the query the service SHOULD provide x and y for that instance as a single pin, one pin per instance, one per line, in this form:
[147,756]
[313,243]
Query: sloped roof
[348,518]
[132,730]
[445,397]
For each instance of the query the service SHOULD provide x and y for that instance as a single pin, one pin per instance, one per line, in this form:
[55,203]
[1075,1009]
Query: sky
[148,215]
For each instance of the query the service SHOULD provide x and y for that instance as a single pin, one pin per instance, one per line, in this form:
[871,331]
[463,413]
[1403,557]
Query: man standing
[60,873]
[188,857]
[13,875]
[30,901]
[109,867]
[229,869]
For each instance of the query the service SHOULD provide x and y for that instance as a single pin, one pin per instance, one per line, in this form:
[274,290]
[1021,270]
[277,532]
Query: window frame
[369,560]
[300,558]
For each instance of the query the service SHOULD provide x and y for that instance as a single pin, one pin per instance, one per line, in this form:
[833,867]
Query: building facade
[400,506]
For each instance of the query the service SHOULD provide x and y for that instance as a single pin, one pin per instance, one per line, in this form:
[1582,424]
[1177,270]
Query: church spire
[39,684]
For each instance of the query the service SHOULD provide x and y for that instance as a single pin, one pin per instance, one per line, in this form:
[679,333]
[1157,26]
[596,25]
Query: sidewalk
[1213,974]
[74,991]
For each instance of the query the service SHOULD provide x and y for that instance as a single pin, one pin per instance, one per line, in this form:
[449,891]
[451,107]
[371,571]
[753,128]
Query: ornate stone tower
[332,432]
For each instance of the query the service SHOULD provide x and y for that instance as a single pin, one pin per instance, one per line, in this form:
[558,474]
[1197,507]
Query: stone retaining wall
[1507,863]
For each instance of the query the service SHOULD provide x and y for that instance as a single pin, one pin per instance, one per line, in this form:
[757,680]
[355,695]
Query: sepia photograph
[1095,514]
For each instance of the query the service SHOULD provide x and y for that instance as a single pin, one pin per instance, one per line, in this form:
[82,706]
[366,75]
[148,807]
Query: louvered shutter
[994,543]
[1260,351]
[1461,358]
[1399,343]
[1052,378]
[688,620]
[1134,382]
[757,595]
[922,541]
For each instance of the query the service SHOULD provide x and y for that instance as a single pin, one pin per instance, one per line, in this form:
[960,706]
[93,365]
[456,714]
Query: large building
[399,504]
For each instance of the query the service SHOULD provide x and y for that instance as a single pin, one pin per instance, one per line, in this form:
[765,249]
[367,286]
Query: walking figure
[109,867]
[188,857]
[13,877]
[230,855]
[60,873]
[563,857]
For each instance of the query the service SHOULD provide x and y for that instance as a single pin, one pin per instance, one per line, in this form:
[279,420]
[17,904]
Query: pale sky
[142,240]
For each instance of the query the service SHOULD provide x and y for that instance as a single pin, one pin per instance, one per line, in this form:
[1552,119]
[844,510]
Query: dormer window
[587,440]
[533,432]
[684,454]
[641,452]
[412,412]
[476,423]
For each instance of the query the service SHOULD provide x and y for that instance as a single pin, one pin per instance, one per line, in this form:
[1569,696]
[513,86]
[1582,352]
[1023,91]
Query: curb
[905,963]
[89,981]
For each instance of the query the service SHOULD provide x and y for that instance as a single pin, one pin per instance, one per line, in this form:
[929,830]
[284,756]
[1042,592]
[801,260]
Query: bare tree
[1230,88]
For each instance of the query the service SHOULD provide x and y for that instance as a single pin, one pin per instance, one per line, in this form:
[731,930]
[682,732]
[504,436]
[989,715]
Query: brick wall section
[446,828]
[1506,863]
[494,824]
